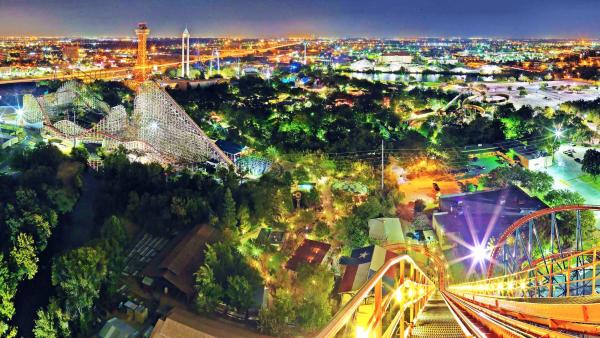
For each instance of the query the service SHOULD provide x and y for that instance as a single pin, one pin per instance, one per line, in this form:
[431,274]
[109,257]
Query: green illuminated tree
[78,275]
[8,290]
[52,323]
[24,256]
[239,293]
[591,162]
[228,218]
[209,291]
[276,318]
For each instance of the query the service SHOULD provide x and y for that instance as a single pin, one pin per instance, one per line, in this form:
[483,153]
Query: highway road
[125,72]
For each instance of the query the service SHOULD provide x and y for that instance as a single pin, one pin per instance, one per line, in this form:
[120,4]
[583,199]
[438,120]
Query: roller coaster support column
[398,284]
[594,262]
[378,309]
[412,306]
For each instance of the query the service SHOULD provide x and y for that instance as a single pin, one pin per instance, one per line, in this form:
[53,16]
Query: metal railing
[409,294]
[576,275]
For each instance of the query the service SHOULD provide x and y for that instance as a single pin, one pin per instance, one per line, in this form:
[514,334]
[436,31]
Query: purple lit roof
[497,208]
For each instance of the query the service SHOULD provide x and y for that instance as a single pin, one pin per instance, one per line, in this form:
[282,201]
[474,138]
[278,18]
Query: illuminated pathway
[539,285]
[436,317]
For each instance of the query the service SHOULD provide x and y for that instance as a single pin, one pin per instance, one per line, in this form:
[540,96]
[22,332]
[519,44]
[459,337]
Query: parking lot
[567,173]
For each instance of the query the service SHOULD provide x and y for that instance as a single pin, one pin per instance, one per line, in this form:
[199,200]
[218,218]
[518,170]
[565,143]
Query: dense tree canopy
[591,162]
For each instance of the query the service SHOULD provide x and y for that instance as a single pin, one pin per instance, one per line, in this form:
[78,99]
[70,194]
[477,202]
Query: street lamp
[558,133]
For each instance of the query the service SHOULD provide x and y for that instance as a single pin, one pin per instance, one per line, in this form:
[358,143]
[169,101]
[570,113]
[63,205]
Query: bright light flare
[558,133]
[479,253]
[361,332]
[399,295]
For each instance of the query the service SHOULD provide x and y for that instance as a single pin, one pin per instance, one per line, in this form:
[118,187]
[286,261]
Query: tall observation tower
[185,53]
[142,54]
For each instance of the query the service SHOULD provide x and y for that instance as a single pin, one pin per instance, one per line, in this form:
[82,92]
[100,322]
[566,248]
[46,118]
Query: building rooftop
[230,147]
[310,252]
[468,215]
[182,257]
[116,328]
[398,53]
[183,324]
[530,152]
[386,229]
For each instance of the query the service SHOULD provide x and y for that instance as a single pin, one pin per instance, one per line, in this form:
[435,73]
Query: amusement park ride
[538,284]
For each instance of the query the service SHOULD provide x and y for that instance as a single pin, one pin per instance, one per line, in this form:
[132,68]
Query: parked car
[578,160]
[436,187]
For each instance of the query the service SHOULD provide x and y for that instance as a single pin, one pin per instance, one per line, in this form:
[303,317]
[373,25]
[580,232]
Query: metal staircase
[436,320]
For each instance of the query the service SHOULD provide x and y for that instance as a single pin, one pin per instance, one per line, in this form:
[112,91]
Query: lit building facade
[142,53]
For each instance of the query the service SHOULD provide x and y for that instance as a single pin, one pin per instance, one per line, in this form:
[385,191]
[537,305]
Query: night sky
[335,18]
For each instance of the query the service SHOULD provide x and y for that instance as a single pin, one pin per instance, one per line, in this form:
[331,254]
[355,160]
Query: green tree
[209,292]
[228,218]
[78,275]
[52,323]
[314,312]
[80,154]
[275,319]
[538,182]
[24,256]
[113,239]
[244,218]
[62,201]
[314,286]
[568,222]
[114,229]
[239,293]
[8,290]
[591,162]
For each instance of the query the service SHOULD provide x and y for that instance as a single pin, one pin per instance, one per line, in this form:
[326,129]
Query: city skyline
[234,18]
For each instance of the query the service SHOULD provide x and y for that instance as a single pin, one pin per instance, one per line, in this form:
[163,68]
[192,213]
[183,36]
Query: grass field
[588,179]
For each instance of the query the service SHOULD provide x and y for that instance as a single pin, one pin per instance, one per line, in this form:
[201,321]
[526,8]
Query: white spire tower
[185,53]
[304,58]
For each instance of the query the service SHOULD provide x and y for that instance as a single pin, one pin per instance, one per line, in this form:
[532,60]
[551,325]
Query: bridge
[121,73]
[542,280]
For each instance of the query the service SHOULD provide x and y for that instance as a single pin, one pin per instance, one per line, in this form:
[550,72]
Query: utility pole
[382,187]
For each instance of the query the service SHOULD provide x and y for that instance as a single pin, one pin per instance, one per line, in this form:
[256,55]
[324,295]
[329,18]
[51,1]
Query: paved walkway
[567,174]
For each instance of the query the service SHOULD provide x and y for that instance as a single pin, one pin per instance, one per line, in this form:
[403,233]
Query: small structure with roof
[468,219]
[530,156]
[387,230]
[231,149]
[400,57]
[116,328]
[180,323]
[362,65]
[310,252]
[173,269]
[273,237]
